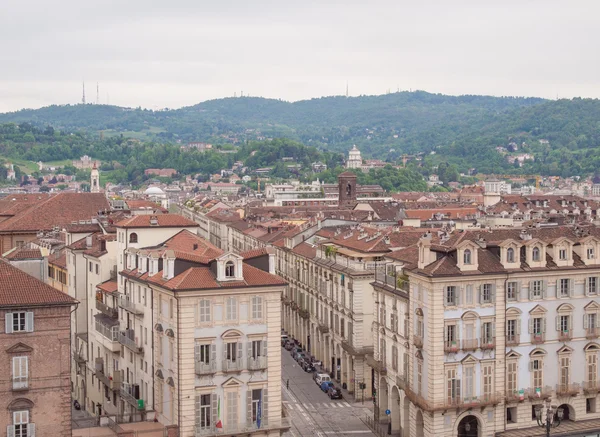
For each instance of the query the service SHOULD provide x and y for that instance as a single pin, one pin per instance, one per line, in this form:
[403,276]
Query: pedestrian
[287,384]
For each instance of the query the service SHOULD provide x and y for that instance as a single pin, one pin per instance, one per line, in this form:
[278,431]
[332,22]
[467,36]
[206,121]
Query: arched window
[535,254]
[133,238]
[467,257]
[510,255]
[229,269]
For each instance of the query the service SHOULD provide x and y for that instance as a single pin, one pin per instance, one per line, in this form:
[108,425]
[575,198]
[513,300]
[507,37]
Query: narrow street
[311,411]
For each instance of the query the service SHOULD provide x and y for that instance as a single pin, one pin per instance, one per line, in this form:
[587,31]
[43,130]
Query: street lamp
[548,416]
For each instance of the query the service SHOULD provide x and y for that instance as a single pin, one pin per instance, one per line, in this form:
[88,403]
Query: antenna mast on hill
[83,97]
[346,88]
[97,94]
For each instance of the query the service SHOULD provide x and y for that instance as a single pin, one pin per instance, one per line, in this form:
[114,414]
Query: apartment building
[34,394]
[499,321]
[214,337]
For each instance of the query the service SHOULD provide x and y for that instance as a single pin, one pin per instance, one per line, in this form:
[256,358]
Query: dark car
[301,356]
[289,346]
[307,366]
[334,392]
[295,350]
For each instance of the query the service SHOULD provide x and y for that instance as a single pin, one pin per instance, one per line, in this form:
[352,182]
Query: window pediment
[232,333]
[469,359]
[538,352]
[19,348]
[20,404]
[564,350]
[470,315]
[538,309]
[159,374]
[590,347]
[565,308]
[512,311]
[232,382]
[170,381]
[419,312]
[592,306]
[512,355]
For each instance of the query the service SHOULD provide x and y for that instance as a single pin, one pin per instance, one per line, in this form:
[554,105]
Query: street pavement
[311,411]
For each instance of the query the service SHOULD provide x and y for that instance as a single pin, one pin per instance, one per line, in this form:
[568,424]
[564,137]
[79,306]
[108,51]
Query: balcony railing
[27,430]
[418,341]
[539,393]
[258,363]
[354,350]
[203,368]
[451,346]
[323,328]
[378,364]
[210,430]
[79,358]
[20,382]
[304,314]
[470,344]
[126,338]
[232,366]
[512,339]
[488,343]
[130,393]
[127,304]
[568,389]
[591,387]
[109,332]
[401,381]
[391,281]
[515,396]
[537,338]
[474,401]
[105,309]
[592,332]
[564,335]
[113,382]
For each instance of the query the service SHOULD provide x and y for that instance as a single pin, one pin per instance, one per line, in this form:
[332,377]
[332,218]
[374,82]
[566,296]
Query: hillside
[463,130]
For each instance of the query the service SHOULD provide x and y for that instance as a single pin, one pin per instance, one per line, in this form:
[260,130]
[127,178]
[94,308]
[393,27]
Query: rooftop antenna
[235,94]
[83,96]
[107,99]
[97,94]
[346,88]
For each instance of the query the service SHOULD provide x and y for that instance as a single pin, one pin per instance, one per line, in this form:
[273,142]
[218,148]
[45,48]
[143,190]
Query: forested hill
[464,130]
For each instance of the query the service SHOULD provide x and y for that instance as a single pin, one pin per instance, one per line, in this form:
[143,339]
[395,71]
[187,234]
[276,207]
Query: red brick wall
[49,371]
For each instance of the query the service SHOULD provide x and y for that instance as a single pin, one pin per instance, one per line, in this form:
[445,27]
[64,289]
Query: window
[451,335]
[19,322]
[257,349]
[419,376]
[256,399]
[486,293]
[468,382]
[453,386]
[229,269]
[535,254]
[487,381]
[91,266]
[511,377]
[469,295]
[203,411]
[487,333]
[512,331]
[562,254]
[394,322]
[563,323]
[451,296]
[536,367]
[20,373]
[97,269]
[22,427]
[510,255]
[591,287]
[590,324]
[231,351]
[204,311]
[257,307]
[232,407]
[231,312]
[592,370]
[535,290]
[563,287]
[202,353]
[395,358]
[565,374]
[133,238]
[512,289]
[590,253]
[467,257]
[538,325]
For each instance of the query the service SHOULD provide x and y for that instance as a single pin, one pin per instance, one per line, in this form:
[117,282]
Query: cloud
[169,54]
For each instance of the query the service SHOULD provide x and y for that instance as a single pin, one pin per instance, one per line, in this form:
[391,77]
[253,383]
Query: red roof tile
[18,289]
[164,220]
[254,253]
[58,259]
[109,286]
[24,253]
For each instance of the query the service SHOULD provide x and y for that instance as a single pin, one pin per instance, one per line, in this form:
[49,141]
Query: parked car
[325,386]
[295,350]
[334,393]
[307,366]
[321,378]
[289,345]
[301,356]
[284,339]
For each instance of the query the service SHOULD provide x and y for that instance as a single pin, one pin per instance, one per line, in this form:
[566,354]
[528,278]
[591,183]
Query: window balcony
[401,381]
[25,430]
[470,344]
[592,333]
[323,328]
[129,305]
[130,393]
[304,314]
[127,339]
[591,387]
[232,366]
[539,393]
[113,382]
[565,335]
[418,341]
[113,313]
[266,425]
[451,346]
[354,350]
[109,336]
[203,368]
[258,363]
[20,383]
[378,364]
[514,397]
[474,401]
[513,339]
[538,338]
[488,343]
[568,389]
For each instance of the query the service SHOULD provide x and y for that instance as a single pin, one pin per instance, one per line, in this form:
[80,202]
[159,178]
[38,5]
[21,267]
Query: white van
[321,378]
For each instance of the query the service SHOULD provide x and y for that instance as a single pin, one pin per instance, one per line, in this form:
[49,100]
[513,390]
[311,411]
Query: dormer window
[535,254]
[467,256]
[510,255]
[562,254]
[590,253]
[133,238]
[230,269]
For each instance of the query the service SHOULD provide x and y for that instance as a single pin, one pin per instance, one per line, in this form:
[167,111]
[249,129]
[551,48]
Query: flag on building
[219,423]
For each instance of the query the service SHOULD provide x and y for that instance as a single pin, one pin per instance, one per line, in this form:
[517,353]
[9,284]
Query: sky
[159,54]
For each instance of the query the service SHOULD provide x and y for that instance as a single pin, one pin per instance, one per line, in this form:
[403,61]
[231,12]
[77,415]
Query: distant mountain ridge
[465,130]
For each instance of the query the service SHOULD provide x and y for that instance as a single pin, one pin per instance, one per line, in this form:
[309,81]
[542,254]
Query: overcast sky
[156,53]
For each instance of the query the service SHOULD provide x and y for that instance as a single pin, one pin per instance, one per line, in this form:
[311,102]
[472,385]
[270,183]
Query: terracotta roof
[306,250]
[57,210]
[347,174]
[108,286]
[254,253]
[24,253]
[164,220]
[59,259]
[83,228]
[18,289]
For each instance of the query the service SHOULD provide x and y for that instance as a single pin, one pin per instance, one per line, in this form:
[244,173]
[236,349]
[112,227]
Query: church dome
[154,191]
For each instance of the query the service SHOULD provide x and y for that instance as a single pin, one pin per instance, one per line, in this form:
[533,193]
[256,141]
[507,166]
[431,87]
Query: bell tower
[95,180]
[347,188]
